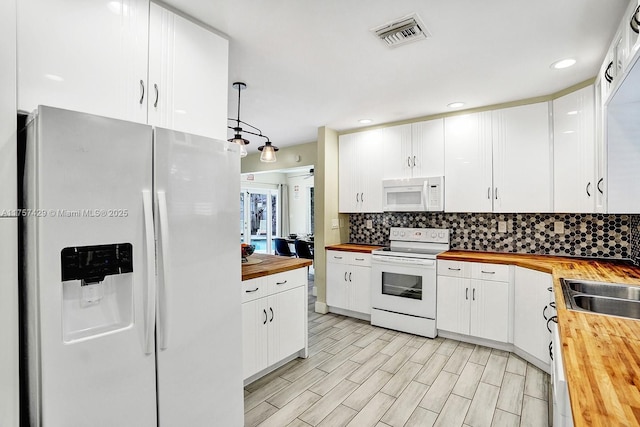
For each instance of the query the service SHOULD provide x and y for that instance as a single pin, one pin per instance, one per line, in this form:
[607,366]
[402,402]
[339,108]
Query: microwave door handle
[425,194]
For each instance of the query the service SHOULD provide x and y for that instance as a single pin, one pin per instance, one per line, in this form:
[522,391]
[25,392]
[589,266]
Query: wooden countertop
[601,353]
[272,264]
[352,247]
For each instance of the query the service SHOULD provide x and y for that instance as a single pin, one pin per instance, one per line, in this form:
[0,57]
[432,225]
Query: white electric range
[403,280]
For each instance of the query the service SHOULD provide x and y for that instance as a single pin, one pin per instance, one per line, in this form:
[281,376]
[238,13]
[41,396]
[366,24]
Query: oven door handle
[399,261]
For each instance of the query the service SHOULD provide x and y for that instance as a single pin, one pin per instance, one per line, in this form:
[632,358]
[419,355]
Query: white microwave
[413,194]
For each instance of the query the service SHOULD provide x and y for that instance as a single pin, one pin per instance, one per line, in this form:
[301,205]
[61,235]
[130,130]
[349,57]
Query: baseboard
[321,307]
[362,316]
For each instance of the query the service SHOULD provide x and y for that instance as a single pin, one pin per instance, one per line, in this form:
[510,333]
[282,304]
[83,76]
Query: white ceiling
[312,63]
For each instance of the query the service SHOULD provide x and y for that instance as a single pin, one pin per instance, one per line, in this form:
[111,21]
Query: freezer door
[199,321]
[88,362]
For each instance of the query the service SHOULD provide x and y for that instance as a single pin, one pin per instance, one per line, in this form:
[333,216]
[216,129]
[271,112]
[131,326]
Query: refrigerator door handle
[163,299]
[150,295]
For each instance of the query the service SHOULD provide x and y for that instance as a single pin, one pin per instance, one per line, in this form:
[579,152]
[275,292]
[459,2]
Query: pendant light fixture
[268,150]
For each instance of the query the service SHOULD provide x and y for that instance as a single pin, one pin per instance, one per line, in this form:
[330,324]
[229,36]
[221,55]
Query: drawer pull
[488,272]
[337,257]
[453,269]
[359,259]
[281,283]
[252,291]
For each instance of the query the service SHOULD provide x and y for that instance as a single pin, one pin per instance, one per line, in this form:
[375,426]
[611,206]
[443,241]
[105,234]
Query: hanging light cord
[237,128]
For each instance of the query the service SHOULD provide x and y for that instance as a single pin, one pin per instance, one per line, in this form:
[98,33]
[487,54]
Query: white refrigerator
[132,275]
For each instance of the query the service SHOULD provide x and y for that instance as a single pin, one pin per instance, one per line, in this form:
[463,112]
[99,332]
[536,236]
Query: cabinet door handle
[635,21]
[544,312]
[252,291]
[414,161]
[271,310]
[474,294]
[357,197]
[349,276]
[466,294]
[453,269]
[362,197]
[141,91]
[587,189]
[265,316]
[600,182]
[345,276]
[607,73]
[551,319]
[488,192]
[488,272]
[496,193]
[281,283]
[409,161]
[155,104]
[551,350]
[550,289]
[552,304]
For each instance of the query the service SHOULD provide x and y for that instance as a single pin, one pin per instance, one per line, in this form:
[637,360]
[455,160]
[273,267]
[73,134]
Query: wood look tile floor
[359,375]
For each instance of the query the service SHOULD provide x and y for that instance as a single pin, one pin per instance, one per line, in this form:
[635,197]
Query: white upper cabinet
[125,59]
[188,75]
[522,155]
[575,186]
[396,145]
[360,172]
[414,150]
[89,56]
[467,167]
[499,161]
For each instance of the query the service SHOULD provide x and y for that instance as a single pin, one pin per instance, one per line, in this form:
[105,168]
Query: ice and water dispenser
[97,288]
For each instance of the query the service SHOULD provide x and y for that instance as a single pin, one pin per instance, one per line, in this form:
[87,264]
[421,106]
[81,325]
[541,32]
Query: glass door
[259,218]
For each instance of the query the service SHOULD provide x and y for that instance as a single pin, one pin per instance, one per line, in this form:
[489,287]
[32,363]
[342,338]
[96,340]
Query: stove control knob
[434,235]
[402,234]
[441,235]
[395,233]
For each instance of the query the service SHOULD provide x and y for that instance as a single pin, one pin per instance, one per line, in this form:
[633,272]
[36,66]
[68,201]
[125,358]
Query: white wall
[9,391]
[299,203]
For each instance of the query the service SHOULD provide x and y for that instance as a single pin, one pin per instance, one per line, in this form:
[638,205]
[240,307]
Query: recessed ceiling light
[365,121]
[455,104]
[563,63]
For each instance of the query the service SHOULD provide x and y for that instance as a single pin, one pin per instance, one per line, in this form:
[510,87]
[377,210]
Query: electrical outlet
[502,226]
[369,224]
[335,223]
[558,227]
[341,223]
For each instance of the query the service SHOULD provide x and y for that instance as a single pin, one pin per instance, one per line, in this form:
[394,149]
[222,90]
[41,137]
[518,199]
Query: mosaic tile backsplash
[585,235]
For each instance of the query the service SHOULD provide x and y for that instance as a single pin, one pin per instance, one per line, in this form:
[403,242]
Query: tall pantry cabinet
[9,355]
[127,59]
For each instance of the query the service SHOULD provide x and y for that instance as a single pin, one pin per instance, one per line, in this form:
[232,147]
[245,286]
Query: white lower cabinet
[474,299]
[532,312]
[349,281]
[274,319]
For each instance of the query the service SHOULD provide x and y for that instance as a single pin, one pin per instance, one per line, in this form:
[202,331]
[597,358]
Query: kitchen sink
[615,299]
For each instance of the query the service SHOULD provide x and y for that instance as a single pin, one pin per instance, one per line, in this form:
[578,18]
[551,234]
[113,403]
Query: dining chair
[282,247]
[302,249]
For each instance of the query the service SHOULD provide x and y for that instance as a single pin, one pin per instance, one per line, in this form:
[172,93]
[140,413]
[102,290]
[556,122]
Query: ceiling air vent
[402,31]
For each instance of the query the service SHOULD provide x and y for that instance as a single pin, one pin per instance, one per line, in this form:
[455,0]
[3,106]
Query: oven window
[402,285]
